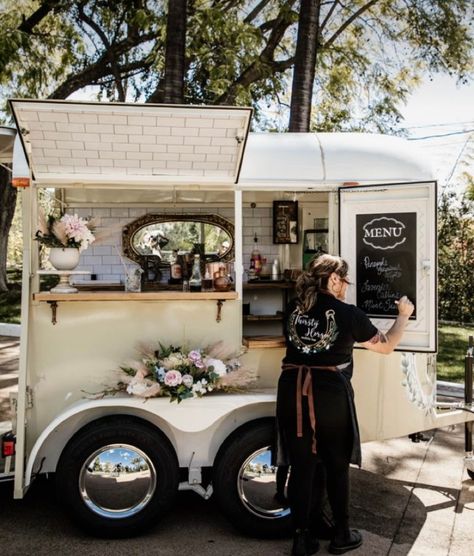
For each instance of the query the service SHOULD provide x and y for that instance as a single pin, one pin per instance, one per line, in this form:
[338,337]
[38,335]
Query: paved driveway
[409,498]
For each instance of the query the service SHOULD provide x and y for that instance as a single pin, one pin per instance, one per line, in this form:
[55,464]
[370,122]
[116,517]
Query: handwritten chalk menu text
[386,261]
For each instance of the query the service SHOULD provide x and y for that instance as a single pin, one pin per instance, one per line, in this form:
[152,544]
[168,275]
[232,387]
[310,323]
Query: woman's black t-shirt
[326,334]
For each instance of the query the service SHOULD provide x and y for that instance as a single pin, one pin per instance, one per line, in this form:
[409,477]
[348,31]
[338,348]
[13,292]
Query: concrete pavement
[409,498]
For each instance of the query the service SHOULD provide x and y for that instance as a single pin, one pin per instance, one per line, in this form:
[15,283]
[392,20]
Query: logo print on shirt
[311,339]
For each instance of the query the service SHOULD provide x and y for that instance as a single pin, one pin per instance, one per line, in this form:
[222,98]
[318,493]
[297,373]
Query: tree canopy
[369,54]
[456,263]
[351,64]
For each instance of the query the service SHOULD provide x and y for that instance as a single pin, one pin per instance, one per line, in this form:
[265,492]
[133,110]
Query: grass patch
[10,303]
[453,342]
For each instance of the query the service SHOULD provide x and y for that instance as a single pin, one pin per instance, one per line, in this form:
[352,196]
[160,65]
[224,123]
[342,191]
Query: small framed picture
[285,222]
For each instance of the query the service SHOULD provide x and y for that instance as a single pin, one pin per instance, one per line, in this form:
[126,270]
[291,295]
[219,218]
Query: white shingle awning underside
[85,143]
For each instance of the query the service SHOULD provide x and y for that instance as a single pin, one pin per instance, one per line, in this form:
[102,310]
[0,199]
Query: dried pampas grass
[221,351]
[59,231]
[105,235]
[145,350]
[241,378]
[43,227]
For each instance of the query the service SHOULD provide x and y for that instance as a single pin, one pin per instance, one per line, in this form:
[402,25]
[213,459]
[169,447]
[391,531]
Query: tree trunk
[7,210]
[175,48]
[305,62]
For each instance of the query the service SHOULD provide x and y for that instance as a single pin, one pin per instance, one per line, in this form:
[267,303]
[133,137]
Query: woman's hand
[388,342]
[405,306]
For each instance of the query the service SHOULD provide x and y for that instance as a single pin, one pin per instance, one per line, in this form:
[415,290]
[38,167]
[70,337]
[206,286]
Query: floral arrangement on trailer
[65,231]
[180,374]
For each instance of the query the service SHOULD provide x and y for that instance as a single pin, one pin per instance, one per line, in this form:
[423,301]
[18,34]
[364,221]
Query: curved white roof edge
[331,158]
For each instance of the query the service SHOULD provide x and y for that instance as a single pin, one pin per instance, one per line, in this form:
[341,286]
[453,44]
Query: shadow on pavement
[195,527]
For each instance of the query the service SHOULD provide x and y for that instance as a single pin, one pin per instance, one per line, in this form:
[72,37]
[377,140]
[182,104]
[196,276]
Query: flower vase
[64,258]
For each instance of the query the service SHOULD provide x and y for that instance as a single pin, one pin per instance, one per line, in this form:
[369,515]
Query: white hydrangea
[219,366]
[173,361]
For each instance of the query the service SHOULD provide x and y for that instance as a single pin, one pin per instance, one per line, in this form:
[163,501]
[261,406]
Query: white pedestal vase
[64,258]
[64,285]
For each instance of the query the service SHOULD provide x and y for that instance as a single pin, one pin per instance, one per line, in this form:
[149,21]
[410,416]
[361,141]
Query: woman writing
[317,424]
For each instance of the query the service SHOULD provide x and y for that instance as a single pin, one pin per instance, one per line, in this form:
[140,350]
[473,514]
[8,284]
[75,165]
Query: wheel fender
[48,447]
[234,421]
[195,428]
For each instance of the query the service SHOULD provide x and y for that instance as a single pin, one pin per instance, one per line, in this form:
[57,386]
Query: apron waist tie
[304,387]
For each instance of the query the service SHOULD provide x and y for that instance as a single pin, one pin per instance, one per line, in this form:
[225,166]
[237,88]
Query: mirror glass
[160,235]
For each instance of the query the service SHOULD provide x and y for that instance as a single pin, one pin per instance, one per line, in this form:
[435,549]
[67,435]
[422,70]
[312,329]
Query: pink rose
[173,378]
[194,356]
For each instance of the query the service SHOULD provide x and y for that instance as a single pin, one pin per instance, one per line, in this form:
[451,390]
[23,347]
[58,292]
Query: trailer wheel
[117,476]
[245,483]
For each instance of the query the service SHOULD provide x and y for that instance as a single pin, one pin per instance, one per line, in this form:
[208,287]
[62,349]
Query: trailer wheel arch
[246,495]
[50,444]
[235,420]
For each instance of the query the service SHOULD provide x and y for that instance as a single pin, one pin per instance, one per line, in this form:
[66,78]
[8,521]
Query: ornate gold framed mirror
[159,235]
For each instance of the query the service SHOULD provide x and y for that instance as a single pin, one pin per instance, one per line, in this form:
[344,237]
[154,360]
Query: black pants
[334,436]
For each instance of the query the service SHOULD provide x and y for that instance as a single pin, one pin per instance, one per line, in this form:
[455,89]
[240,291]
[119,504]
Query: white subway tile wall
[104,257]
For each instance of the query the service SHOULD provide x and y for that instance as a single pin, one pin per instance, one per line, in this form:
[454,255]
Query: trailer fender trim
[56,435]
[196,430]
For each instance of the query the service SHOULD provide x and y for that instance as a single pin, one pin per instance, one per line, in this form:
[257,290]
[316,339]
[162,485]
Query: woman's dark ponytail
[315,279]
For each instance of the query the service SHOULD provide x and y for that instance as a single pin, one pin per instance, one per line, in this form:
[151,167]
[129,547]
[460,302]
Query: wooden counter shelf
[268,284]
[132,296]
[54,298]
[254,342]
[261,318]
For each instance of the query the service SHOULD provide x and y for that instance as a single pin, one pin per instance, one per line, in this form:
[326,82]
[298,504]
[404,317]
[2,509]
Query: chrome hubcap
[256,485]
[117,481]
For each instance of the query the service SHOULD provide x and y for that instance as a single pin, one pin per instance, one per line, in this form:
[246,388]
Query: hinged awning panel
[106,143]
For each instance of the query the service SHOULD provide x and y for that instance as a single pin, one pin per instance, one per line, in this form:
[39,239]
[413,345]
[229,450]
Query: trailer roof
[132,146]
[282,160]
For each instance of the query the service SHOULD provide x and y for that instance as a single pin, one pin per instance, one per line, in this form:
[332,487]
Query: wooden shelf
[268,284]
[254,342]
[131,296]
[260,318]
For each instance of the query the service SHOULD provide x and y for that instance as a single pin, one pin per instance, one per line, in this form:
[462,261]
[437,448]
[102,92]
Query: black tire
[131,497]
[247,500]
[471,474]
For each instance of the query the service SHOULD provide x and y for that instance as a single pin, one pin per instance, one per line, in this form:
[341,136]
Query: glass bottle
[207,282]
[256,258]
[276,269]
[222,282]
[176,271]
[195,281]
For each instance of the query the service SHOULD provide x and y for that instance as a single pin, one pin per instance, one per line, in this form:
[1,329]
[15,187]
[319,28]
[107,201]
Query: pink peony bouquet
[180,374]
[69,230]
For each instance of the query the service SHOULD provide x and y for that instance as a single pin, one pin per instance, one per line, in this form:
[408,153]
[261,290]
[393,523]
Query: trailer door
[387,234]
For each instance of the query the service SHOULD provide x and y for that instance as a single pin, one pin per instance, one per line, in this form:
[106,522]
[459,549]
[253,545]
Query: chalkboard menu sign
[386,261]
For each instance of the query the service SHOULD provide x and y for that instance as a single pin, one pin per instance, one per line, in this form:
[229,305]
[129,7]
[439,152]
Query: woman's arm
[386,342]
